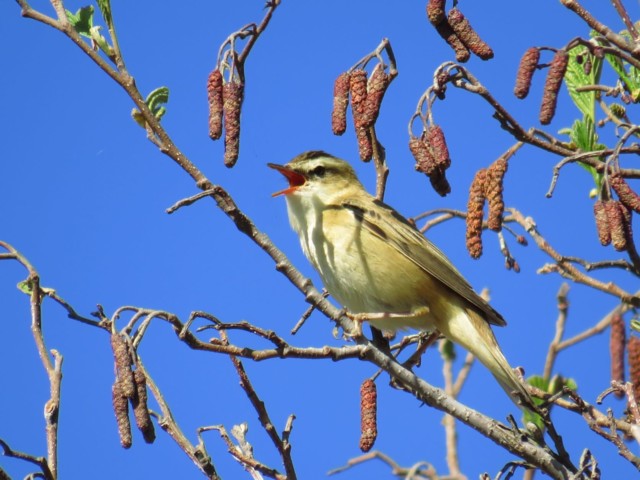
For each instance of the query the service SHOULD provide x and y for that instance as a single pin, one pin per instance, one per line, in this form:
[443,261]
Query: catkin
[494,188]
[475,213]
[626,195]
[121,410]
[140,408]
[434,137]
[368,415]
[340,103]
[425,161]
[214,93]
[449,36]
[616,349]
[435,11]
[633,356]
[602,222]
[358,97]
[376,87]
[528,65]
[468,35]
[233,95]
[123,361]
[557,69]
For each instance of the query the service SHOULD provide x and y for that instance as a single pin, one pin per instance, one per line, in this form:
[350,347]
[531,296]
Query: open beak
[296,180]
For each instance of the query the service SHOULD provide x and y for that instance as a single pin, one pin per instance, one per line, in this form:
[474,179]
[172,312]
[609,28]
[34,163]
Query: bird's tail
[474,333]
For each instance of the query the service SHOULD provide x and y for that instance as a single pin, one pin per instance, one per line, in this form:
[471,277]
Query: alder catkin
[358,94]
[602,222]
[449,36]
[475,207]
[627,196]
[434,137]
[214,93]
[440,183]
[494,188]
[121,410]
[616,349]
[616,220]
[425,161]
[358,98]
[232,95]
[376,87]
[368,415]
[123,362]
[528,65]
[435,11]
[633,356]
[468,35]
[140,408]
[340,103]
[557,69]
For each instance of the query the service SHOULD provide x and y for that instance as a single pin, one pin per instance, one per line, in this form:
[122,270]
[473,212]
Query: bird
[381,268]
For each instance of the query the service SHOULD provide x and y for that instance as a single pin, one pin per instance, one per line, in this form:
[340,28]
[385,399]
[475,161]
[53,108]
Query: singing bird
[381,268]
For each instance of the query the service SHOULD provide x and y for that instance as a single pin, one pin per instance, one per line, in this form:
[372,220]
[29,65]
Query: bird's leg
[359,318]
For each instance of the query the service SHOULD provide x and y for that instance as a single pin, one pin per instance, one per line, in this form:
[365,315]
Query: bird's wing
[387,224]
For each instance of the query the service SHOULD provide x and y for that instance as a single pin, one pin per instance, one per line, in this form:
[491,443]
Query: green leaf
[82,20]
[635,325]
[25,286]
[102,43]
[105,9]
[156,101]
[576,77]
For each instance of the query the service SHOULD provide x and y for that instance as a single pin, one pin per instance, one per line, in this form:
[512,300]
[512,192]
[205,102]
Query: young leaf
[82,20]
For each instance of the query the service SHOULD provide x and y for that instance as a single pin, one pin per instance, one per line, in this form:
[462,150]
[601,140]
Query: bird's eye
[319,171]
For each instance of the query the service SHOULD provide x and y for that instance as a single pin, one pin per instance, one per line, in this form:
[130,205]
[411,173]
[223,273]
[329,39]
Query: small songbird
[381,268]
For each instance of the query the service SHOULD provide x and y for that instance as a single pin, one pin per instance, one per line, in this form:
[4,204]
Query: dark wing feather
[416,247]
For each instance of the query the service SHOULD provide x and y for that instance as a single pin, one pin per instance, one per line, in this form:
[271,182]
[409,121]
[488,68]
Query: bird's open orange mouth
[296,179]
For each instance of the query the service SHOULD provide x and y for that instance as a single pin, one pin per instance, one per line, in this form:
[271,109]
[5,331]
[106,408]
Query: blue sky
[83,195]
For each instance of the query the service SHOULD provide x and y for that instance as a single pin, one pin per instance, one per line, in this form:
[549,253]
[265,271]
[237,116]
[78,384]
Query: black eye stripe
[318,171]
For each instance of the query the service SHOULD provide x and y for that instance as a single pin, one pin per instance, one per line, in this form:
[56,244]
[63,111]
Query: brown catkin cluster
[618,223]
[456,30]
[214,94]
[140,409]
[340,102]
[628,197]
[123,362]
[494,188]
[432,158]
[121,410]
[232,95]
[368,415]
[468,35]
[633,356]
[557,69]
[475,213]
[617,340]
[528,65]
